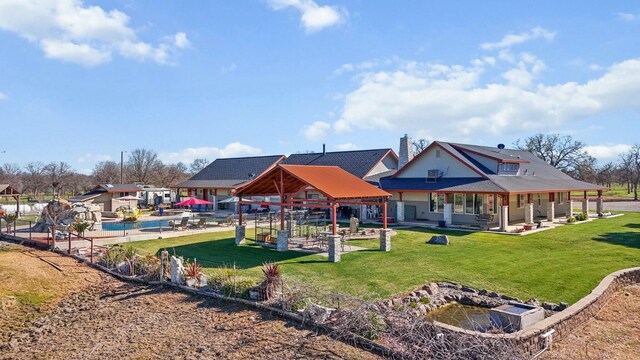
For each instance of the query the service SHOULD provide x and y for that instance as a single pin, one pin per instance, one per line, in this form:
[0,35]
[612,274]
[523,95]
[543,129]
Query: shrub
[582,216]
[193,270]
[272,279]
[149,267]
[238,289]
[80,227]
[413,305]
[571,220]
[425,300]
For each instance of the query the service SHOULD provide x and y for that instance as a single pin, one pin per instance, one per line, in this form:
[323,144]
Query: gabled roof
[117,188]
[227,173]
[6,189]
[332,181]
[357,162]
[534,175]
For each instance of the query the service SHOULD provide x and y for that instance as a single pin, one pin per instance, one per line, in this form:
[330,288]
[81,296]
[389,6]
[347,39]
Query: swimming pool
[122,226]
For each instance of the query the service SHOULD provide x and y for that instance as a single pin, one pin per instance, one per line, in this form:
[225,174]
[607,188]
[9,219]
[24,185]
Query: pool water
[463,316]
[121,226]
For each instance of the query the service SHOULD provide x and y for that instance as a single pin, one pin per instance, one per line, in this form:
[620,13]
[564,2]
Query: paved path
[622,205]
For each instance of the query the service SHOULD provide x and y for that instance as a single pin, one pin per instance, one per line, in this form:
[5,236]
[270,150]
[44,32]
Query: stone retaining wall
[564,322]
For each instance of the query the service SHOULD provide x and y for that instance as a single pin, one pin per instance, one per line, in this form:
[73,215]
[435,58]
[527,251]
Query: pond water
[463,316]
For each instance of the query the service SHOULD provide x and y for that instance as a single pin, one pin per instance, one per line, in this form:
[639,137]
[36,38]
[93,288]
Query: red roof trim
[415,158]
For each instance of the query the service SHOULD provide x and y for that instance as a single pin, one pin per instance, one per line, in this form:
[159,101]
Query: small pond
[463,316]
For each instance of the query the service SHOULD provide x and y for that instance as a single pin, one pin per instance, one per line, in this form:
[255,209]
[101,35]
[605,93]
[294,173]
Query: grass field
[563,264]
[617,191]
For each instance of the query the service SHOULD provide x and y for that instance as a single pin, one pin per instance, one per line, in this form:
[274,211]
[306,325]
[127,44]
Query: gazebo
[338,186]
[7,191]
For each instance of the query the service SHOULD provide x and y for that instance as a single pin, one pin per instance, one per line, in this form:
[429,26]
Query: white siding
[449,165]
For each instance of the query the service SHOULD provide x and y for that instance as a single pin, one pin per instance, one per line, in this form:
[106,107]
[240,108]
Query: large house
[217,181]
[470,184]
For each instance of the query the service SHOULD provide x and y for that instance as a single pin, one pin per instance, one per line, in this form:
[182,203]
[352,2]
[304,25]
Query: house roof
[332,181]
[473,185]
[534,175]
[357,162]
[86,197]
[227,173]
[116,188]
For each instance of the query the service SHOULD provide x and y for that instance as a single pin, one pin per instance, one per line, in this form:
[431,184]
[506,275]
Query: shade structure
[193,201]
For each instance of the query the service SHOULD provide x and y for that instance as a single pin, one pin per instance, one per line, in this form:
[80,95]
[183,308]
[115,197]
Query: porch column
[283,240]
[600,203]
[363,213]
[400,211]
[385,239]
[585,206]
[528,211]
[214,200]
[569,208]
[448,210]
[240,234]
[503,215]
[334,248]
[551,210]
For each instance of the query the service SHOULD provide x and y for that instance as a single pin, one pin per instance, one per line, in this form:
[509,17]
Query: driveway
[622,205]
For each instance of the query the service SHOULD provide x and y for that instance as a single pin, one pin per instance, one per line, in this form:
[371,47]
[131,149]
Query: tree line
[142,166]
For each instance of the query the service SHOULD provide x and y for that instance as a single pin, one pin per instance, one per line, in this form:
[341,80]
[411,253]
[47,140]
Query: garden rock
[318,313]
[439,240]
[177,270]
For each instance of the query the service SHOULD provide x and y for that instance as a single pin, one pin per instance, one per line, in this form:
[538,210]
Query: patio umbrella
[193,201]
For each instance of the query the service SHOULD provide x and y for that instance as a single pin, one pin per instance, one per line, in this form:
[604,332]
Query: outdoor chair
[201,224]
[183,223]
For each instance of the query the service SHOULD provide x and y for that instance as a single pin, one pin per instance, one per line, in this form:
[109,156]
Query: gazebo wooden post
[282,199]
[240,210]
[334,217]
[17,198]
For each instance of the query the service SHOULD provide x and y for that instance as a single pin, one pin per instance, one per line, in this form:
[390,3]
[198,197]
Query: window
[436,202]
[469,203]
[458,203]
[508,169]
[437,153]
[521,200]
[560,198]
[478,203]
[539,199]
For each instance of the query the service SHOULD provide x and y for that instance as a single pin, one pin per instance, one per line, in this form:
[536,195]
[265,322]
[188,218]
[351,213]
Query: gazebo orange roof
[332,181]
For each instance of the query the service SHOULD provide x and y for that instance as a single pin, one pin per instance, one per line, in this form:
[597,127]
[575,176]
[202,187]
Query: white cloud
[93,158]
[607,152]
[627,16]
[3,96]
[452,99]
[69,30]
[345,147]
[313,16]
[515,39]
[316,131]
[187,155]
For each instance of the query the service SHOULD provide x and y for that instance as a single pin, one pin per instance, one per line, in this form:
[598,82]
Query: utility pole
[122,166]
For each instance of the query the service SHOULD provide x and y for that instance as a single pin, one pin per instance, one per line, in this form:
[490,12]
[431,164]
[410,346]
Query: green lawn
[616,191]
[562,264]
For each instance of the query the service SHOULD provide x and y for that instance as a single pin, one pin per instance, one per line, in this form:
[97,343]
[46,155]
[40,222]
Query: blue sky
[82,80]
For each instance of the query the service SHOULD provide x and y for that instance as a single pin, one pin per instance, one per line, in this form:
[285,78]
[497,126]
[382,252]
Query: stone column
[504,217]
[551,211]
[448,211]
[240,234]
[569,208]
[214,200]
[585,206]
[528,213]
[334,248]
[283,240]
[600,205]
[363,213]
[400,211]
[385,239]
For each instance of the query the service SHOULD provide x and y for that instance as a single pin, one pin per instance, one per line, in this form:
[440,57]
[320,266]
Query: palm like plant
[272,279]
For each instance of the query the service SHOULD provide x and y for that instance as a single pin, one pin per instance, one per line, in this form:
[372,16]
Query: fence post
[30,231]
[91,251]
[69,248]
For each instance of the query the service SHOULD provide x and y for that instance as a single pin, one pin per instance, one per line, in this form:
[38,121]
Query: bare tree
[585,170]
[78,183]
[106,172]
[198,164]
[630,163]
[11,174]
[34,178]
[419,145]
[171,174]
[561,152]
[57,175]
[142,165]
[606,174]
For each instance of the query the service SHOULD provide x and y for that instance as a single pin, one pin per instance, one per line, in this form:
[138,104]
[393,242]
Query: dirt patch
[612,334]
[112,319]
[30,285]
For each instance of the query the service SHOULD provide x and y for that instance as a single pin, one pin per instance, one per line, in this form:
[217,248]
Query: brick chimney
[406,151]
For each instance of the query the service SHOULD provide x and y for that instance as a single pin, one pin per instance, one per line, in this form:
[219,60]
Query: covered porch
[339,188]
[7,191]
